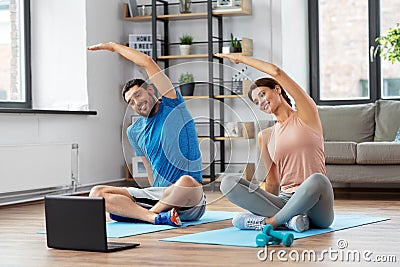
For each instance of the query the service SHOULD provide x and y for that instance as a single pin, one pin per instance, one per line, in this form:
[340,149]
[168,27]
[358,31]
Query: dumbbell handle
[287,238]
[269,230]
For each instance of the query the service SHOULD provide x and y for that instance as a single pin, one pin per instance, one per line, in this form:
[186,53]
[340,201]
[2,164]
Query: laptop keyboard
[116,244]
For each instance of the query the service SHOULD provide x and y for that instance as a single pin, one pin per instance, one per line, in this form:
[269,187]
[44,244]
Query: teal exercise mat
[124,229]
[247,238]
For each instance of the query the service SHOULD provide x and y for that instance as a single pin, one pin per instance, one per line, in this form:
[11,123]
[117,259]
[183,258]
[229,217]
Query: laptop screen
[75,222]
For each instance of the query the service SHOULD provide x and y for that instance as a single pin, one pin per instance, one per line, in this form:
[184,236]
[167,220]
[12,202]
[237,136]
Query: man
[166,139]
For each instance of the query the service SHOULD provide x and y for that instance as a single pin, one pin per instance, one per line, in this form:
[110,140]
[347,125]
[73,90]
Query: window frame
[374,64]
[27,104]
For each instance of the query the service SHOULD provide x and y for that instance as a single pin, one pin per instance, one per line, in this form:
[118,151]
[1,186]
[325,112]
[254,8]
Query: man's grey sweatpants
[314,197]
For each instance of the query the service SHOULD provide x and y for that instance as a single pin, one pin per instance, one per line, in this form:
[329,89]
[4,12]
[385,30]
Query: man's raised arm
[156,75]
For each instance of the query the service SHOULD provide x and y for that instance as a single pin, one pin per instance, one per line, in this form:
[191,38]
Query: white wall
[95,78]
[295,58]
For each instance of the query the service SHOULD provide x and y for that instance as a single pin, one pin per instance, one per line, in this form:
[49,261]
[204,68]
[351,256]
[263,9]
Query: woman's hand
[235,58]
[102,46]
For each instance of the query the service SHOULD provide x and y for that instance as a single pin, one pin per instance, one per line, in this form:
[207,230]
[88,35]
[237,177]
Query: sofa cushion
[397,139]
[354,123]
[387,119]
[378,153]
[340,152]
[364,174]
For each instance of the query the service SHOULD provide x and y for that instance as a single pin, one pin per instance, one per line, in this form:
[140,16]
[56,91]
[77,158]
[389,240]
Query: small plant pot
[184,6]
[236,49]
[185,49]
[187,89]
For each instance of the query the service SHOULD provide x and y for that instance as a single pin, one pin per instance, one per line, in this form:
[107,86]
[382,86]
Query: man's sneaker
[170,217]
[248,221]
[124,219]
[299,223]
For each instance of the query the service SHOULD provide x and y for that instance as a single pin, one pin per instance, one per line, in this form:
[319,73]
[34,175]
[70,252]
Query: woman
[297,191]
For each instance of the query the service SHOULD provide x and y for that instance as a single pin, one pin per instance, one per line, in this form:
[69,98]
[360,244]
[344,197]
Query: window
[14,53]
[389,14]
[342,43]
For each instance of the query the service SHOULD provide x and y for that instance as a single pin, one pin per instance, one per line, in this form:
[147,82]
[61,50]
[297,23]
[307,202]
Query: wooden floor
[21,246]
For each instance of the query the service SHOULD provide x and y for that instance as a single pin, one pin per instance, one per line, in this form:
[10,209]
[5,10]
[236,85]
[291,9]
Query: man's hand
[160,80]
[102,46]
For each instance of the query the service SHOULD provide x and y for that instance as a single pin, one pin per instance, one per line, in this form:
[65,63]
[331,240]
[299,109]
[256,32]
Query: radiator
[37,167]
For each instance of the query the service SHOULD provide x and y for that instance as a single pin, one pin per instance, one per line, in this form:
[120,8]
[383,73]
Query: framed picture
[138,168]
[224,3]
[133,10]
[228,3]
[232,129]
[143,43]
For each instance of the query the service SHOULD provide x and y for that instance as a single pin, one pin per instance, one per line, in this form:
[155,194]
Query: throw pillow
[397,139]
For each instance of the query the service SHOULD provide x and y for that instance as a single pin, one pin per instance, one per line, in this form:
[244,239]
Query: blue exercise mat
[247,238]
[122,229]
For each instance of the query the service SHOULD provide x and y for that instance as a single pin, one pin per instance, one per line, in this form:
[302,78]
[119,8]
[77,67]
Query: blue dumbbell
[262,240]
[286,239]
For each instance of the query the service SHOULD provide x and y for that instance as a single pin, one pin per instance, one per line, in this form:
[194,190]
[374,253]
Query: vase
[235,49]
[185,49]
[187,89]
[184,6]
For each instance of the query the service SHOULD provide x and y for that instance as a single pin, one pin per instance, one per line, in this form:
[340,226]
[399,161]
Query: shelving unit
[182,57]
[245,89]
[209,16]
[244,10]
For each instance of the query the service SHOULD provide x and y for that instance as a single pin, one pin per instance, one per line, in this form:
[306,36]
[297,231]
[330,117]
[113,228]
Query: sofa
[359,142]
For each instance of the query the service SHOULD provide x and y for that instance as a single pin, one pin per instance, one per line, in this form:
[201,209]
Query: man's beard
[152,104]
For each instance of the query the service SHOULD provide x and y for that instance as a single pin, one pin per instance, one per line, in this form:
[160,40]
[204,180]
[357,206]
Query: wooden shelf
[247,50]
[245,128]
[196,97]
[203,138]
[166,17]
[138,18]
[244,10]
[202,15]
[224,138]
[231,138]
[183,57]
[217,96]
[245,89]
[227,96]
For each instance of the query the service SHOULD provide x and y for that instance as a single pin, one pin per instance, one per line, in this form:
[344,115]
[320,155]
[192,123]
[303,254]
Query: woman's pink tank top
[297,150]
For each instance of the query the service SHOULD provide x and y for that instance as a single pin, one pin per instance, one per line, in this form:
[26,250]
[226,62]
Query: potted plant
[187,84]
[184,6]
[236,46]
[389,44]
[186,44]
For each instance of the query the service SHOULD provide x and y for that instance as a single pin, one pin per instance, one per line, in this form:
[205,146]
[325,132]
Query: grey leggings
[314,197]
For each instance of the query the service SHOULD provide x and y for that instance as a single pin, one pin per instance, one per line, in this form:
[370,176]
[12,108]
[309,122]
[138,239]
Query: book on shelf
[133,10]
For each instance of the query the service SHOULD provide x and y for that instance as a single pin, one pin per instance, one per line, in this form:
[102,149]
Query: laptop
[78,223]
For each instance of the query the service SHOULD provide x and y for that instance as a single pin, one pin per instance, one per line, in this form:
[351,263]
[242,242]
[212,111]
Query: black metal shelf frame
[211,40]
